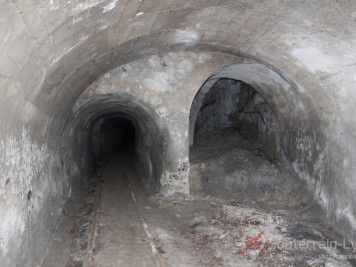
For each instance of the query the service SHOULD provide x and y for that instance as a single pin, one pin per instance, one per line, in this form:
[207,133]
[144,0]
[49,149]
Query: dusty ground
[245,211]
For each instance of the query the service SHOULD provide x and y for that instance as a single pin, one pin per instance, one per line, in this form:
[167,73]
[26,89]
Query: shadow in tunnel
[114,136]
[110,126]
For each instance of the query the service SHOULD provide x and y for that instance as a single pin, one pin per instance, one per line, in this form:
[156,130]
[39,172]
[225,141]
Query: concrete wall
[216,105]
[301,59]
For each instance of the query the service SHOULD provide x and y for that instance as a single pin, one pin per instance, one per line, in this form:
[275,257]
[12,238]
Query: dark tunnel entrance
[233,142]
[113,126]
[112,136]
[227,106]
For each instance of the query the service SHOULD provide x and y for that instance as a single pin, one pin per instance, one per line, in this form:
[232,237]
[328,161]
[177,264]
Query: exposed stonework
[156,81]
[298,55]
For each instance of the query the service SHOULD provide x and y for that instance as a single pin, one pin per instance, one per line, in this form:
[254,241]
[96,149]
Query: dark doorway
[114,135]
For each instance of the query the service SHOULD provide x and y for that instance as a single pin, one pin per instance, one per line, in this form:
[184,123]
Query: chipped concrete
[53,50]
[31,179]
[110,6]
[155,80]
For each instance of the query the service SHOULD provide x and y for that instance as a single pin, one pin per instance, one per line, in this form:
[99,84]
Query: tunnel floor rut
[122,238]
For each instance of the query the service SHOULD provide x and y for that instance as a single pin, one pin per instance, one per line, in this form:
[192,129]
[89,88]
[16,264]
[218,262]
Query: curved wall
[151,133]
[53,50]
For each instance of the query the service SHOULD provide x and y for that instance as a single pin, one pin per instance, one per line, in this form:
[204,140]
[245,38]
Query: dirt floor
[244,211]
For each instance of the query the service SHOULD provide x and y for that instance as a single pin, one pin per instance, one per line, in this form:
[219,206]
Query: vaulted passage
[234,104]
[108,125]
[177,133]
[235,135]
[241,187]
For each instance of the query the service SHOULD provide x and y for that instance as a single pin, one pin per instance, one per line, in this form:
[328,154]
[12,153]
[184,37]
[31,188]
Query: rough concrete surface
[66,65]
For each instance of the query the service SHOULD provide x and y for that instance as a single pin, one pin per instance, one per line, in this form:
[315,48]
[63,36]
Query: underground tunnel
[112,136]
[108,125]
[231,115]
[177,133]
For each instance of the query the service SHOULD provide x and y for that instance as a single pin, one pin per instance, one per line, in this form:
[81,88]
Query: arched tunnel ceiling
[51,50]
[124,106]
[66,45]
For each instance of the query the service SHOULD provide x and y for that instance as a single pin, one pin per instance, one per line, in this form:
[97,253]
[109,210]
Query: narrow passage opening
[113,136]
[234,151]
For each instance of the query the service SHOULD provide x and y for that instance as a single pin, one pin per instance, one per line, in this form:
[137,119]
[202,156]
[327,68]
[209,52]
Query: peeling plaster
[25,161]
[112,4]
[309,51]
[322,60]
[53,5]
[314,59]
[85,6]
[186,36]
[27,185]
